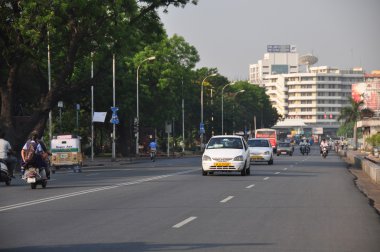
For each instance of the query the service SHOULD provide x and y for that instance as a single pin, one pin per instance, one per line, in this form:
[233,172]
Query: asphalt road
[301,203]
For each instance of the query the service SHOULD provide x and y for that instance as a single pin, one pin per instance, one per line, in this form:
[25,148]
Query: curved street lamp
[137,101]
[211,75]
[233,109]
[229,84]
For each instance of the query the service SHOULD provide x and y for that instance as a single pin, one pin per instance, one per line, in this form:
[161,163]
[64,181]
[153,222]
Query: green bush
[374,140]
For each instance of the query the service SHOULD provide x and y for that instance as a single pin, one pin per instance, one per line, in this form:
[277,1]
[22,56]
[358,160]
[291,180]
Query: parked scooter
[35,176]
[4,174]
[324,152]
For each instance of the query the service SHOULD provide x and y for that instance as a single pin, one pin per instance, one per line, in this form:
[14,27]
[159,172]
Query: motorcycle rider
[323,144]
[5,150]
[305,143]
[152,148]
[40,155]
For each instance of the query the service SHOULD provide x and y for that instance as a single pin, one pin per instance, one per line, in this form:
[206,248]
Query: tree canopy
[78,33]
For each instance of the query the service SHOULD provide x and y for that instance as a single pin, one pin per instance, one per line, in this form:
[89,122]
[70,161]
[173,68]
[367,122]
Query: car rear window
[284,144]
[258,143]
[225,143]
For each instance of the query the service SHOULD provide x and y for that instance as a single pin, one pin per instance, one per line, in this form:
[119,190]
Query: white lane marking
[250,186]
[266,178]
[105,170]
[227,199]
[73,194]
[277,172]
[92,174]
[182,223]
[285,169]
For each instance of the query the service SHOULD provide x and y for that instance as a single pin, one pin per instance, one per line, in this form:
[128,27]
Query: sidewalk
[362,180]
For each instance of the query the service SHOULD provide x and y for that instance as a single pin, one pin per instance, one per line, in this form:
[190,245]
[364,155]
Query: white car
[260,150]
[226,153]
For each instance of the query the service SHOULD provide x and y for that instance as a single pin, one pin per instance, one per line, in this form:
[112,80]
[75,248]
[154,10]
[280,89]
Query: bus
[270,134]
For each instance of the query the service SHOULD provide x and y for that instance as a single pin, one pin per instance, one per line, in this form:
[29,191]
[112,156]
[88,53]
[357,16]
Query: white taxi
[226,153]
[260,150]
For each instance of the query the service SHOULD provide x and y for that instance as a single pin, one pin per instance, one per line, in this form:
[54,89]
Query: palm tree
[351,114]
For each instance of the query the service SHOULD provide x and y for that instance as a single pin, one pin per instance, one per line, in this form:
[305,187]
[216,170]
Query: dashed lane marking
[227,199]
[266,178]
[184,222]
[250,186]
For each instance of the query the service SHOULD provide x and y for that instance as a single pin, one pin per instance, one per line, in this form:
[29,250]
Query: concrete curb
[367,176]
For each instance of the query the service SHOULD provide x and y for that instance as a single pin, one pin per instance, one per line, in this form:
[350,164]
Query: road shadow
[141,246]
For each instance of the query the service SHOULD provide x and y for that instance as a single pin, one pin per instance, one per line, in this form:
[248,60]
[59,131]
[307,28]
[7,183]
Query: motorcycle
[35,176]
[4,174]
[303,149]
[324,152]
[307,150]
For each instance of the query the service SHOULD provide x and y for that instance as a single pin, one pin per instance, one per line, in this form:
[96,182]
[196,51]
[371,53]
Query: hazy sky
[231,34]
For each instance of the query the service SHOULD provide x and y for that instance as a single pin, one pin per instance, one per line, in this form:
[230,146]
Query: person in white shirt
[324,143]
[5,151]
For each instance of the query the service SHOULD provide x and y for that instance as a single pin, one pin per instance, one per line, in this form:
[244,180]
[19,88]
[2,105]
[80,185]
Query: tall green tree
[76,28]
[351,114]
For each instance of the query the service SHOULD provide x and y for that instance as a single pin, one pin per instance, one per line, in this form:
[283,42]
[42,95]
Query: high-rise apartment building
[315,97]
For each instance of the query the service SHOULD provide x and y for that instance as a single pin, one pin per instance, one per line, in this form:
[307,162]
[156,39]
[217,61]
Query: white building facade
[279,59]
[316,97]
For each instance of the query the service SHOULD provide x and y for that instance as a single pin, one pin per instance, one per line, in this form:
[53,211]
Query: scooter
[324,152]
[4,174]
[35,176]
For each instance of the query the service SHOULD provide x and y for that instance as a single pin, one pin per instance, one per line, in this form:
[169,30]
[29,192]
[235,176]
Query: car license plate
[218,164]
[31,180]
[256,157]
[284,152]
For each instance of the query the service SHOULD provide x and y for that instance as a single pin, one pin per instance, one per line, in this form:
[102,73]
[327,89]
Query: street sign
[114,118]
[202,128]
[168,127]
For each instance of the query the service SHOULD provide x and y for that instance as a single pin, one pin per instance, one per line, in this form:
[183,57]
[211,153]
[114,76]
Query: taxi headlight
[239,158]
[266,153]
[206,158]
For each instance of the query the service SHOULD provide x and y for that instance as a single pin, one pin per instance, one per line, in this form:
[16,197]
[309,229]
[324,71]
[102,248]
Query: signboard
[99,117]
[369,92]
[317,131]
[281,48]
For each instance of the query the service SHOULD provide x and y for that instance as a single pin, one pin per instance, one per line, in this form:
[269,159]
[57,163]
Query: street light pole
[229,84]
[114,105]
[202,107]
[137,102]
[233,114]
[183,121]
